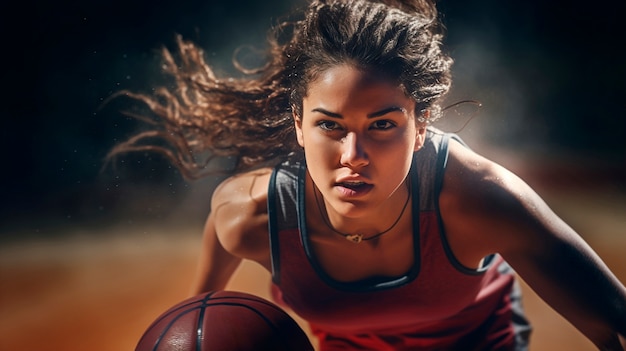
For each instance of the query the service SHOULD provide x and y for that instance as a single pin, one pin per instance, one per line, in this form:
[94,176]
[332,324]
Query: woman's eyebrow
[386,111]
[326,112]
[371,115]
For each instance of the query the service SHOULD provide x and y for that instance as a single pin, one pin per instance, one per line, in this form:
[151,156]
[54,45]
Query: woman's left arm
[508,217]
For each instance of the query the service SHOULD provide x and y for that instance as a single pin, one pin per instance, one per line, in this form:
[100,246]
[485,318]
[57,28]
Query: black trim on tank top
[372,284]
[442,161]
[273,226]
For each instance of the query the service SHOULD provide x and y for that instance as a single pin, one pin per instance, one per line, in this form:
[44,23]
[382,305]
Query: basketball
[224,321]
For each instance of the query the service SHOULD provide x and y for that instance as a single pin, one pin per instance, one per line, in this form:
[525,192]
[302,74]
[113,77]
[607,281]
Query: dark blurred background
[551,76]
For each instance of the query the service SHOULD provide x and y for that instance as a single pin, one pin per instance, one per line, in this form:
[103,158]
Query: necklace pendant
[355,238]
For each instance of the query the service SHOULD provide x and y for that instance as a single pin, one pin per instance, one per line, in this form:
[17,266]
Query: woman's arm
[487,209]
[236,229]
[215,264]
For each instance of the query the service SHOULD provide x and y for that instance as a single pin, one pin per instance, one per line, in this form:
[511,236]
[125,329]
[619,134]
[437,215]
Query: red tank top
[437,305]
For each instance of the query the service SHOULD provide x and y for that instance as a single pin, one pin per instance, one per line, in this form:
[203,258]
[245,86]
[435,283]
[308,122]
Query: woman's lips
[353,189]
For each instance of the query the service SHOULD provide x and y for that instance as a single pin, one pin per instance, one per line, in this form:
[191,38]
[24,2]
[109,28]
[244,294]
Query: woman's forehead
[346,86]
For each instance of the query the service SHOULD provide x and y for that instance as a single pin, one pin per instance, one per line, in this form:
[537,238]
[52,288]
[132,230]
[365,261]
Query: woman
[381,231]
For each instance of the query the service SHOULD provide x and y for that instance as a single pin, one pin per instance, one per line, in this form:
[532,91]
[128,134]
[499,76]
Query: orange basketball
[224,321]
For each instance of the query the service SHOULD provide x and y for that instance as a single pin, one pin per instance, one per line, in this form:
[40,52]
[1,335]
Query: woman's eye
[328,125]
[382,125]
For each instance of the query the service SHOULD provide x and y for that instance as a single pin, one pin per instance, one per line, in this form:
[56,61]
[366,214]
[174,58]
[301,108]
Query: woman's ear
[420,133]
[297,121]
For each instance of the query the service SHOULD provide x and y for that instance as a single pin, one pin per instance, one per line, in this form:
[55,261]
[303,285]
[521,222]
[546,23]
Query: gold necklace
[358,237]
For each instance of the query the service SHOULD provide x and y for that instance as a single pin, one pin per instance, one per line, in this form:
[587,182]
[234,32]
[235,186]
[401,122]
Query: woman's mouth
[353,188]
[352,185]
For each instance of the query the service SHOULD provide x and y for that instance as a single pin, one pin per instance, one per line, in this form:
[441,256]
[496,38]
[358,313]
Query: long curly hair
[250,118]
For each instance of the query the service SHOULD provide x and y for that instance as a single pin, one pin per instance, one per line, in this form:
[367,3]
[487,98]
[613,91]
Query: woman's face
[358,131]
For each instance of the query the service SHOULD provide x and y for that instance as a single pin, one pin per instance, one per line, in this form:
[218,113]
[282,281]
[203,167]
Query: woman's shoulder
[239,212]
[242,188]
[468,174]
[478,186]
[486,205]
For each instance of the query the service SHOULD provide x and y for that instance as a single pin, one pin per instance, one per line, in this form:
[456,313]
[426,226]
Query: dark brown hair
[250,119]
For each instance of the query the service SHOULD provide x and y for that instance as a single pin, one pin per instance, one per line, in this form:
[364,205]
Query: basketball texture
[224,321]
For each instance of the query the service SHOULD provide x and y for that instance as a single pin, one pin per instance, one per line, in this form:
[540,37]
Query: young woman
[381,231]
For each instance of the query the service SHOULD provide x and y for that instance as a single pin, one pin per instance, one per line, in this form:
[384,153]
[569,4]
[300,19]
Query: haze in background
[551,78]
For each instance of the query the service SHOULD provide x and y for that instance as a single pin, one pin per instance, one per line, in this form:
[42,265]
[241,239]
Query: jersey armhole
[442,161]
[273,227]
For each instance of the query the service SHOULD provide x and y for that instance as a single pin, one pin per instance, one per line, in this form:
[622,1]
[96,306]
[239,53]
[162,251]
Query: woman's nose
[353,154]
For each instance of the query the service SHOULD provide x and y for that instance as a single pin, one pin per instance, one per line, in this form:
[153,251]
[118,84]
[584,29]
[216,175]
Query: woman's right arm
[236,229]
[215,264]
